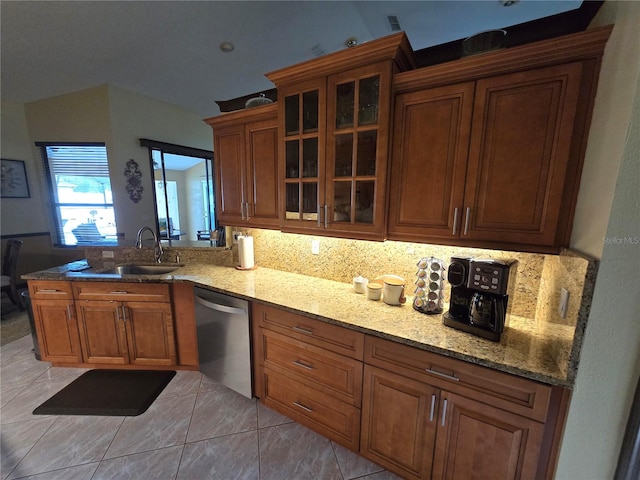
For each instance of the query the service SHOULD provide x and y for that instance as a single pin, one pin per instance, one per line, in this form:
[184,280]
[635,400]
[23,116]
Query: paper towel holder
[238,267]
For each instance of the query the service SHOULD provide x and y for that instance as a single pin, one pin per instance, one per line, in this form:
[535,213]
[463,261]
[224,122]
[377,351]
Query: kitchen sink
[134,269]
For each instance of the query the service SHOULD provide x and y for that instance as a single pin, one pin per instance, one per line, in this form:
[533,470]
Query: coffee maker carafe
[480,290]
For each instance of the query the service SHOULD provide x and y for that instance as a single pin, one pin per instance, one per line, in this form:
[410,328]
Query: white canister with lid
[360,284]
[393,291]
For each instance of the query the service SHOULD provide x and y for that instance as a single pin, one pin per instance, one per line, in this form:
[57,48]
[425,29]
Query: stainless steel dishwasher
[224,341]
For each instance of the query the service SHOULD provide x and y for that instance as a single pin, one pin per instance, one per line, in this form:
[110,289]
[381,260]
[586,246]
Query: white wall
[611,114]
[134,117]
[119,119]
[15,145]
[610,360]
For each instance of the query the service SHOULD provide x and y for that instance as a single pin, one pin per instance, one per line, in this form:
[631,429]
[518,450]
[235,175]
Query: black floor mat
[109,393]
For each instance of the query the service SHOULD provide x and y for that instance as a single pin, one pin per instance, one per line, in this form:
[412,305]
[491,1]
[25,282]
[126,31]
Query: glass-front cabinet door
[304,134]
[357,141]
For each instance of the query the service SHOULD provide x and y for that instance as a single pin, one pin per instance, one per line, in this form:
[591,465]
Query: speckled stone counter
[526,348]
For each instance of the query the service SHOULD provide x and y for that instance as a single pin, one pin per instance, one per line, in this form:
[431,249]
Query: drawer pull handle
[304,407]
[443,375]
[302,330]
[302,364]
[119,292]
[49,290]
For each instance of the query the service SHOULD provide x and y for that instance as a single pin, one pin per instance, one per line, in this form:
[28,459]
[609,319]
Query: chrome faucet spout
[158,251]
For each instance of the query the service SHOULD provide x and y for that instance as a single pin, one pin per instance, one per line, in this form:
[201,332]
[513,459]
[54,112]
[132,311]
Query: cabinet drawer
[508,392]
[334,374]
[50,290]
[138,292]
[332,418]
[330,337]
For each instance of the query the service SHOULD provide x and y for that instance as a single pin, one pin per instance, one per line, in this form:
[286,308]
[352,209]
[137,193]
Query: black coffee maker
[480,290]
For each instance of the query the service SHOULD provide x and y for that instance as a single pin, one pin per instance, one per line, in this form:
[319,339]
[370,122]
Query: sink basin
[133,269]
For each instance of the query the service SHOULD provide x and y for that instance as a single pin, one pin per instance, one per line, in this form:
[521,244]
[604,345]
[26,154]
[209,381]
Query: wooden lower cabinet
[57,330]
[54,316]
[477,441]
[138,333]
[310,371]
[428,416]
[398,423]
[112,324]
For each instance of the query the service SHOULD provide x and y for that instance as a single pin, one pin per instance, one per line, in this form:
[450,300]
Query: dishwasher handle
[220,308]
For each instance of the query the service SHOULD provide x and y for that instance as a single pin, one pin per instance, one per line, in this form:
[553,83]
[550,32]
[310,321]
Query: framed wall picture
[13,183]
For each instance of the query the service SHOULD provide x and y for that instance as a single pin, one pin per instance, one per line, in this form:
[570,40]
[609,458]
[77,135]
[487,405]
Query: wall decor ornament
[13,181]
[134,185]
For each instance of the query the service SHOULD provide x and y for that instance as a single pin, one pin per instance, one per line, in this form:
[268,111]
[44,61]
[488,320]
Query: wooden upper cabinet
[432,129]
[519,155]
[334,135]
[488,149]
[246,167]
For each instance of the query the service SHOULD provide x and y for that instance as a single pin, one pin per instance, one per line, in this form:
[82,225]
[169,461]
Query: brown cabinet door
[150,335]
[102,331]
[229,163]
[431,141]
[302,133]
[357,148]
[57,331]
[519,153]
[261,181]
[398,423]
[477,441]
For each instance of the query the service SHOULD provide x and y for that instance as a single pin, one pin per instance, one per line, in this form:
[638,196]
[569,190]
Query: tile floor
[196,429]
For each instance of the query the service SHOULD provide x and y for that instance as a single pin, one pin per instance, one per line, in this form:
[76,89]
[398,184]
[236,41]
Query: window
[82,210]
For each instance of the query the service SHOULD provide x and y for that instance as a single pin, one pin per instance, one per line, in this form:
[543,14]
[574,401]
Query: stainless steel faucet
[156,243]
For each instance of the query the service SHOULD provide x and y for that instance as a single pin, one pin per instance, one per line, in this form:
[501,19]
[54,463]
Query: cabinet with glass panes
[334,126]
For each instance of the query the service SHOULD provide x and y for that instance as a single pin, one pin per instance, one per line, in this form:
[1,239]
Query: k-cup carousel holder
[429,291]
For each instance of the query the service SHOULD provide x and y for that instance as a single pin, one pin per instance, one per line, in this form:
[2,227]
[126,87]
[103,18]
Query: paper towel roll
[245,251]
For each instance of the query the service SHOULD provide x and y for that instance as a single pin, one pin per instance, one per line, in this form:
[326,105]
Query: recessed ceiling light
[508,3]
[227,47]
[351,42]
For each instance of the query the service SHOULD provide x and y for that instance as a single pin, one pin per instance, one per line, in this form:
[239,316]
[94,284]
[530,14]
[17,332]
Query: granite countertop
[525,348]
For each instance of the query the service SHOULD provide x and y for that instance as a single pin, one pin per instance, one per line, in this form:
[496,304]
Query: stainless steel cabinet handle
[220,308]
[304,407]
[303,365]
[444,412]
[319,216]
[69,311]
[455,221]
[326,215]
[433,407]
[444,375]
[247,207]
[124,313]
[466,220]
[48,290]
[119,292]
[242,204]
[302,330]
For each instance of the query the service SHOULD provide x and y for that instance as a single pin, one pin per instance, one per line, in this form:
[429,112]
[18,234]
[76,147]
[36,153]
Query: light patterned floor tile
[234,457]
[222,412]
[294,451]
[157,465]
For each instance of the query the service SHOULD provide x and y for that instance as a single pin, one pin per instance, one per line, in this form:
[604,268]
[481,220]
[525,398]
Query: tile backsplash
[342,259]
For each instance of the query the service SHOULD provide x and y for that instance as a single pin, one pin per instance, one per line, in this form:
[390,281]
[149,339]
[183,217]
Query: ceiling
[170,50]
